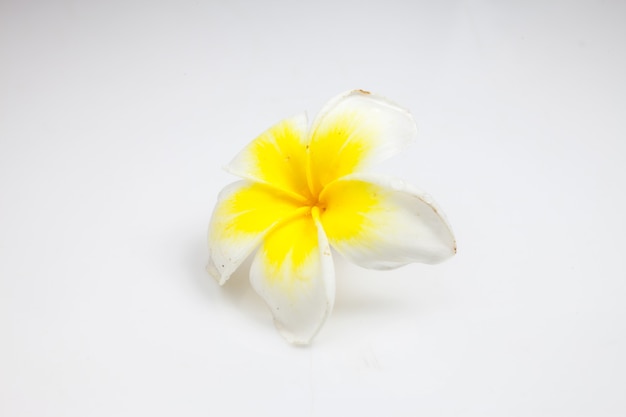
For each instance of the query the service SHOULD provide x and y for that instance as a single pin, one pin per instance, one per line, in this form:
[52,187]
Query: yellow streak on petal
[288,250]
[253,209]
[280,158]
[349,209]
[338,146]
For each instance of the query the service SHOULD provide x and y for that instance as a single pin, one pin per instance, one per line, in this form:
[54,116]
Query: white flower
[304,191]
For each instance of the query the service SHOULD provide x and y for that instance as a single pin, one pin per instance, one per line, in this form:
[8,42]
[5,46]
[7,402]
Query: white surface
[115,118]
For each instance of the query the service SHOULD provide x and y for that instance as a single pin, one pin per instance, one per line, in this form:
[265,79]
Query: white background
[115,120]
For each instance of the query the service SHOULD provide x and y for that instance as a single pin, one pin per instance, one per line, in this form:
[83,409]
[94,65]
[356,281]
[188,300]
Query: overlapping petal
[354,131]
[293,272]
[381,222]
[244,213]
[277,158]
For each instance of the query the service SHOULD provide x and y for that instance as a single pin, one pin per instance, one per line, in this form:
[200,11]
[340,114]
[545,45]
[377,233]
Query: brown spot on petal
[363,91]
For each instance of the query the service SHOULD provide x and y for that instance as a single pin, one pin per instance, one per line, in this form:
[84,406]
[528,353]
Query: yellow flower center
[309,187]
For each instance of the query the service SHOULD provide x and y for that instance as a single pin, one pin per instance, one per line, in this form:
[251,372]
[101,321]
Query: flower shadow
[367,292]
[360,292]
[356,291]
[236,292]
[239,293]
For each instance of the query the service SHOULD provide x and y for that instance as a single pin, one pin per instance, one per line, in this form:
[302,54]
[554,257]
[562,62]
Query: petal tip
[294,338]
[215,273]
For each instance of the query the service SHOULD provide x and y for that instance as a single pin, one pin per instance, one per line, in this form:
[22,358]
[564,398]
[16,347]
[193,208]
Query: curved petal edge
[244,213]
[296,278]
[354,131]
[395,223]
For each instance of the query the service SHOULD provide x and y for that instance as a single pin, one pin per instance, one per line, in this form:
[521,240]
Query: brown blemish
[363,91]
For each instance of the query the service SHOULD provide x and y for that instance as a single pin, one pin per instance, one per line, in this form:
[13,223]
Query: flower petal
[354,131]
[382,223]
[277,158]
[245,211]
[293,272]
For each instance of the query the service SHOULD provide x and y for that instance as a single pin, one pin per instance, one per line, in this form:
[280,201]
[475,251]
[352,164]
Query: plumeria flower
[305,190]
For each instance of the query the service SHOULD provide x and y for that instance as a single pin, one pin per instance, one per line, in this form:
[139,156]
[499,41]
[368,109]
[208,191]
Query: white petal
[244,213]
[293,272]
[354,131]
[381,222]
